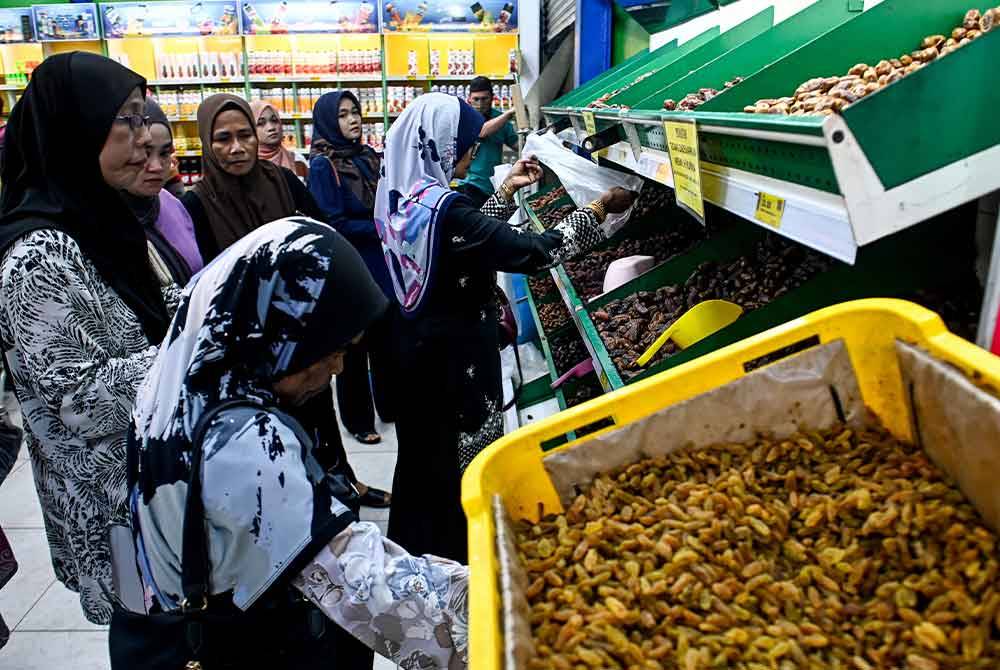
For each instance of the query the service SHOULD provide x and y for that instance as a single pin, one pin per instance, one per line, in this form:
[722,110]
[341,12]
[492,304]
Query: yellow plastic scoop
[702,320]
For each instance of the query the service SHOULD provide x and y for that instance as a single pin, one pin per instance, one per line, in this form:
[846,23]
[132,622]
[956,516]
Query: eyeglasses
[134,121]
[475,148]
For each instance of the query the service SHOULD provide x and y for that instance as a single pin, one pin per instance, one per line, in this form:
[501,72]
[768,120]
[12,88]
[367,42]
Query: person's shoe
[376,498]
[368,438]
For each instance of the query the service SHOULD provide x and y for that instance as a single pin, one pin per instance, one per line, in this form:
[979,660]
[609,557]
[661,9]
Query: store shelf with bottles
[892,159]
[20,54]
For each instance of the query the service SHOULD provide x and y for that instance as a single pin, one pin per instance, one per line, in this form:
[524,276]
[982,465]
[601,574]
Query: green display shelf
[549,361]
[889,268]
[890,161]
[696,58]
[631,69]
[754,54]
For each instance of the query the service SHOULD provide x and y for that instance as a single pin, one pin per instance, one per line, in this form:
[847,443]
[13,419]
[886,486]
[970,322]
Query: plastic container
[512,467]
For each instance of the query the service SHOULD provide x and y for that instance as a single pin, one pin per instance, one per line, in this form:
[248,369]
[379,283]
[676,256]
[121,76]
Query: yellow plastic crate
[512,467]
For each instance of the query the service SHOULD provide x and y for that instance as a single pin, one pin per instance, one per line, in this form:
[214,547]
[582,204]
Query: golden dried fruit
[972,18]
[932,41]
[880,564]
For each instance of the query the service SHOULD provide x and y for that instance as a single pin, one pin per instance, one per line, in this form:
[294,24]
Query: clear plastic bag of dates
[583,180]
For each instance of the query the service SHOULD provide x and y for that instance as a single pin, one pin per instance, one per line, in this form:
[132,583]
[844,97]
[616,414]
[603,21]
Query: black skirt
[452,401]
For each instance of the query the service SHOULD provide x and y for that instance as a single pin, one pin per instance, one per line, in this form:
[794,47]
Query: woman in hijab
[173,249]
[270,136]
[239,193]
[344,179]
[81,311]
[442,254]
[257,333]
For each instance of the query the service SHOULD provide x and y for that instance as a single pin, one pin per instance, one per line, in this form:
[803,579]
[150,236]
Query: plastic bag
[584,180]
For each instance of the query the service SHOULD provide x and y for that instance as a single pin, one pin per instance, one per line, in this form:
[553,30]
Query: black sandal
[376,498]
[368,438]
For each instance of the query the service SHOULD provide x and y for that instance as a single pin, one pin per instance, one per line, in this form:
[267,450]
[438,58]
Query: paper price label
[682,144]
[770,209]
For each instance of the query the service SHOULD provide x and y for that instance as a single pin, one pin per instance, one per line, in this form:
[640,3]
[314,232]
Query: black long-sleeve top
[477,243]
[304,204]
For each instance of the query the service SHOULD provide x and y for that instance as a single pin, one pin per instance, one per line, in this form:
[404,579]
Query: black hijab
[357,164]
[52,177]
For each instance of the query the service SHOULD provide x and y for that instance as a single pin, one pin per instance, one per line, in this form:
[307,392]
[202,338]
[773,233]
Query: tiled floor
[49,630]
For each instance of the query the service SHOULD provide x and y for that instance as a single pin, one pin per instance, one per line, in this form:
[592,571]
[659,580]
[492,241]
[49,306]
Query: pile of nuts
[555,216]
[830,549]
[630,325]
[587,388]
[541,202]
[653,199]
[827,95]
[553,315]
[568,350]
[601,102]
[695,100]
[588,272]
[541,285]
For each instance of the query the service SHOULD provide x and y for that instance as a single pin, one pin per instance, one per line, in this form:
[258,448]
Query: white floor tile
[19,506]
[58,610]
[382,663]
[374,469]
[33,577]
[52,651]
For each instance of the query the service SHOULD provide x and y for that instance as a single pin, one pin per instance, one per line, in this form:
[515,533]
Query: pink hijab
[275,153]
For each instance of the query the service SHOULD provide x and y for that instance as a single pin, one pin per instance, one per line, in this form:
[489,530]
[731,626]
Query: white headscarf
[421,151]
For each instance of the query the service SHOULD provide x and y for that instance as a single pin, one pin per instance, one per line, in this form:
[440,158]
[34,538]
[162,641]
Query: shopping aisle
[49,630]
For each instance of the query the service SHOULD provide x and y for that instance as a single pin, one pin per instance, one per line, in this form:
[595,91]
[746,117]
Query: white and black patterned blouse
[77,355]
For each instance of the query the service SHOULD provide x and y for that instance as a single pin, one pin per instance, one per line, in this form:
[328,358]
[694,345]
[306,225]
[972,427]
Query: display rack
[889,161]
[288,52]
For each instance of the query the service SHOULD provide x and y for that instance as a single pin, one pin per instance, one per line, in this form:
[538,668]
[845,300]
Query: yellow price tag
[663,173]
[770,209]
[590,124]
[682,144]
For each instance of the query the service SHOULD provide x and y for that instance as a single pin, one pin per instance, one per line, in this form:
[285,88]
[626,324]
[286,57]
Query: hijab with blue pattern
[421,151]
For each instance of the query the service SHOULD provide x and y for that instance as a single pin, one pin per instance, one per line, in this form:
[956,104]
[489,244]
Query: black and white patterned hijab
[285,296]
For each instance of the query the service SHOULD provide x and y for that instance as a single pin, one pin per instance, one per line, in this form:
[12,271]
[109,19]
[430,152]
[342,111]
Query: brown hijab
[237,205]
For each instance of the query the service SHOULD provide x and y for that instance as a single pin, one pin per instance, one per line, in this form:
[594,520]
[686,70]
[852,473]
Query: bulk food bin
[902,357]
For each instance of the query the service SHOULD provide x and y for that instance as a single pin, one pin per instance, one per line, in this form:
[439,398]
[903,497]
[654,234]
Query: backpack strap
[195,566]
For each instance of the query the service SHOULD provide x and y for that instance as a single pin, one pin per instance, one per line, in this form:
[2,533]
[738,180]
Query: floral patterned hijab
[421,151]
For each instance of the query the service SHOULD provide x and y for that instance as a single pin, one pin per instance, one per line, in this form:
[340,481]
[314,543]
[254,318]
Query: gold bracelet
[597,207]
[507,192]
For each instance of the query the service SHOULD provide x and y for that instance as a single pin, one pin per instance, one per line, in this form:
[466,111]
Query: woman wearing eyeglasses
[81,311]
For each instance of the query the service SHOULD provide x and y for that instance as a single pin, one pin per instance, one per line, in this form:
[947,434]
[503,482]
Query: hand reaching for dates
[525,172]
[617,200]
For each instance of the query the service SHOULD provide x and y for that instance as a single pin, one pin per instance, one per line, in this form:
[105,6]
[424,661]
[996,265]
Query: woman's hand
[617,200]
[525,172]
